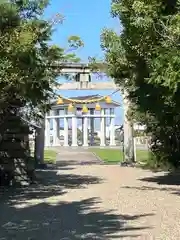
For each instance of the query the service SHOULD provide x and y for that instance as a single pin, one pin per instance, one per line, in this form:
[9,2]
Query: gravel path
[94,202]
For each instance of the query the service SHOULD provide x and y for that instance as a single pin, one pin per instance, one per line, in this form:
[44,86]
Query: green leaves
[144,59]
[75,42]
[26,61]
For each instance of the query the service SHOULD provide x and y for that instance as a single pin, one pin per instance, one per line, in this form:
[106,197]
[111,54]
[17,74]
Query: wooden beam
[74,70]
[72,67]
[88,86]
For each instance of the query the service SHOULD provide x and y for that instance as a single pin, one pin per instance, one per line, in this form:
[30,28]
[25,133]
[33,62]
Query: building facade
[63,128]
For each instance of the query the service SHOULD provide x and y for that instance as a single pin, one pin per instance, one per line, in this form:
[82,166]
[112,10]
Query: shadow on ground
[169,179]
[67,220]
[50,183]
[77,163]
[145,188]
[62,220]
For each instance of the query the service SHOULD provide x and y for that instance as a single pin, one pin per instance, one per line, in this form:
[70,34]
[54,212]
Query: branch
[167,34]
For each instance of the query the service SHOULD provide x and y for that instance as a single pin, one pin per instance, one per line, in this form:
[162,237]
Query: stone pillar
[84,80]
[55,129]
[40,142]
[58,128]
[74,131]
[105,123]
[82,130]
[66,129]
[102,131]
[92,126]
[128,132]
[85,132]
[47,133]
[135,156]
[112,128]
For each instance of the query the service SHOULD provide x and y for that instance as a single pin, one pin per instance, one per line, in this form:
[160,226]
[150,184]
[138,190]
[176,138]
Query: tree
[28,63]
[144,60]
[26,55]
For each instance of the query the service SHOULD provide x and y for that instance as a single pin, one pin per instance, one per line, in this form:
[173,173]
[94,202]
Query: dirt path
[93,202]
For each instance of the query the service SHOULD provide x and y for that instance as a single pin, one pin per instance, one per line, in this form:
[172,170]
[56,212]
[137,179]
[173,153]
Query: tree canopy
[144,59]
[26,71]
[29,67]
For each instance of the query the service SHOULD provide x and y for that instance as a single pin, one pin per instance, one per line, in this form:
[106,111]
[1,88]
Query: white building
[69,133]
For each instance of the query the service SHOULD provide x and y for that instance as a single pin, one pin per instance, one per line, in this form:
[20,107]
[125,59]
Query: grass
[49,156]
[107,155]
[116,156]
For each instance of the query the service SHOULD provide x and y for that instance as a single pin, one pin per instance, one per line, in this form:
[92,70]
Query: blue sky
[85,19]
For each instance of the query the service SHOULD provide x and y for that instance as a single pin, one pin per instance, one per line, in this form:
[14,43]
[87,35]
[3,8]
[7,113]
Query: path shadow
[169,179]
[50,182]
[23,219]
[67,220]
[65,163]
[145,188]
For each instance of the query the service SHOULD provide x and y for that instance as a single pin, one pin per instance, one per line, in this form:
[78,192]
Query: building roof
[87,97]
[103,103]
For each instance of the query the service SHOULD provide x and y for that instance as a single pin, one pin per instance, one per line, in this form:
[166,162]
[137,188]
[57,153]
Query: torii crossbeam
[83,82]
[83,79]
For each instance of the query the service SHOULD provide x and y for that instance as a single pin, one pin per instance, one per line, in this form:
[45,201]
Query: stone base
[85,145]
[65,146]
[41,166]
[112,145]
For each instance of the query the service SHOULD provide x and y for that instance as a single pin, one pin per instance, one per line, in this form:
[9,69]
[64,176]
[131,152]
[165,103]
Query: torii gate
[83,81]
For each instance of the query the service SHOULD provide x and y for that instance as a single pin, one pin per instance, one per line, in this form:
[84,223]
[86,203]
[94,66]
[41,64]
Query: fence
[142,141]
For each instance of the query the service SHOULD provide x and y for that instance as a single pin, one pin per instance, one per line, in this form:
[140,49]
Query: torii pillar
[83,83]
[128,132]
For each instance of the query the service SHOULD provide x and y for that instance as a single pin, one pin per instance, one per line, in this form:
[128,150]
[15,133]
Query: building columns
[86,119]
[85,131]
[66,129]
[112,128]
[103,128]
[92,127]
[56,129]
[74,131]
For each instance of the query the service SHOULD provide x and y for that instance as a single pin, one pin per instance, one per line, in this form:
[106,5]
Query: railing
[142,140]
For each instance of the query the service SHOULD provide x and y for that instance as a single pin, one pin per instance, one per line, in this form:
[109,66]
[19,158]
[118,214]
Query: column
[112,128]
[40,142]
[74,131]
[55,129]
[102,131]
[58,129]
[128,131]
[135,156]
[82,130]
[85,132]
[105,123]
[66,129]
[92,126]
[47,132]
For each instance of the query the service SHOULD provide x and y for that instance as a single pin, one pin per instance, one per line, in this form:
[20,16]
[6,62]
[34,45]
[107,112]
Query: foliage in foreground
[144,59]
[27,63]
[28,67]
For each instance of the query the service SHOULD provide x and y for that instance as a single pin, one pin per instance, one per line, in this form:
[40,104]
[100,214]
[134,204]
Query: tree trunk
[128,133]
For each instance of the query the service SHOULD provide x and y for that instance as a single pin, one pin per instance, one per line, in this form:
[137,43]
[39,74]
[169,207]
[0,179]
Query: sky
[85,19]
